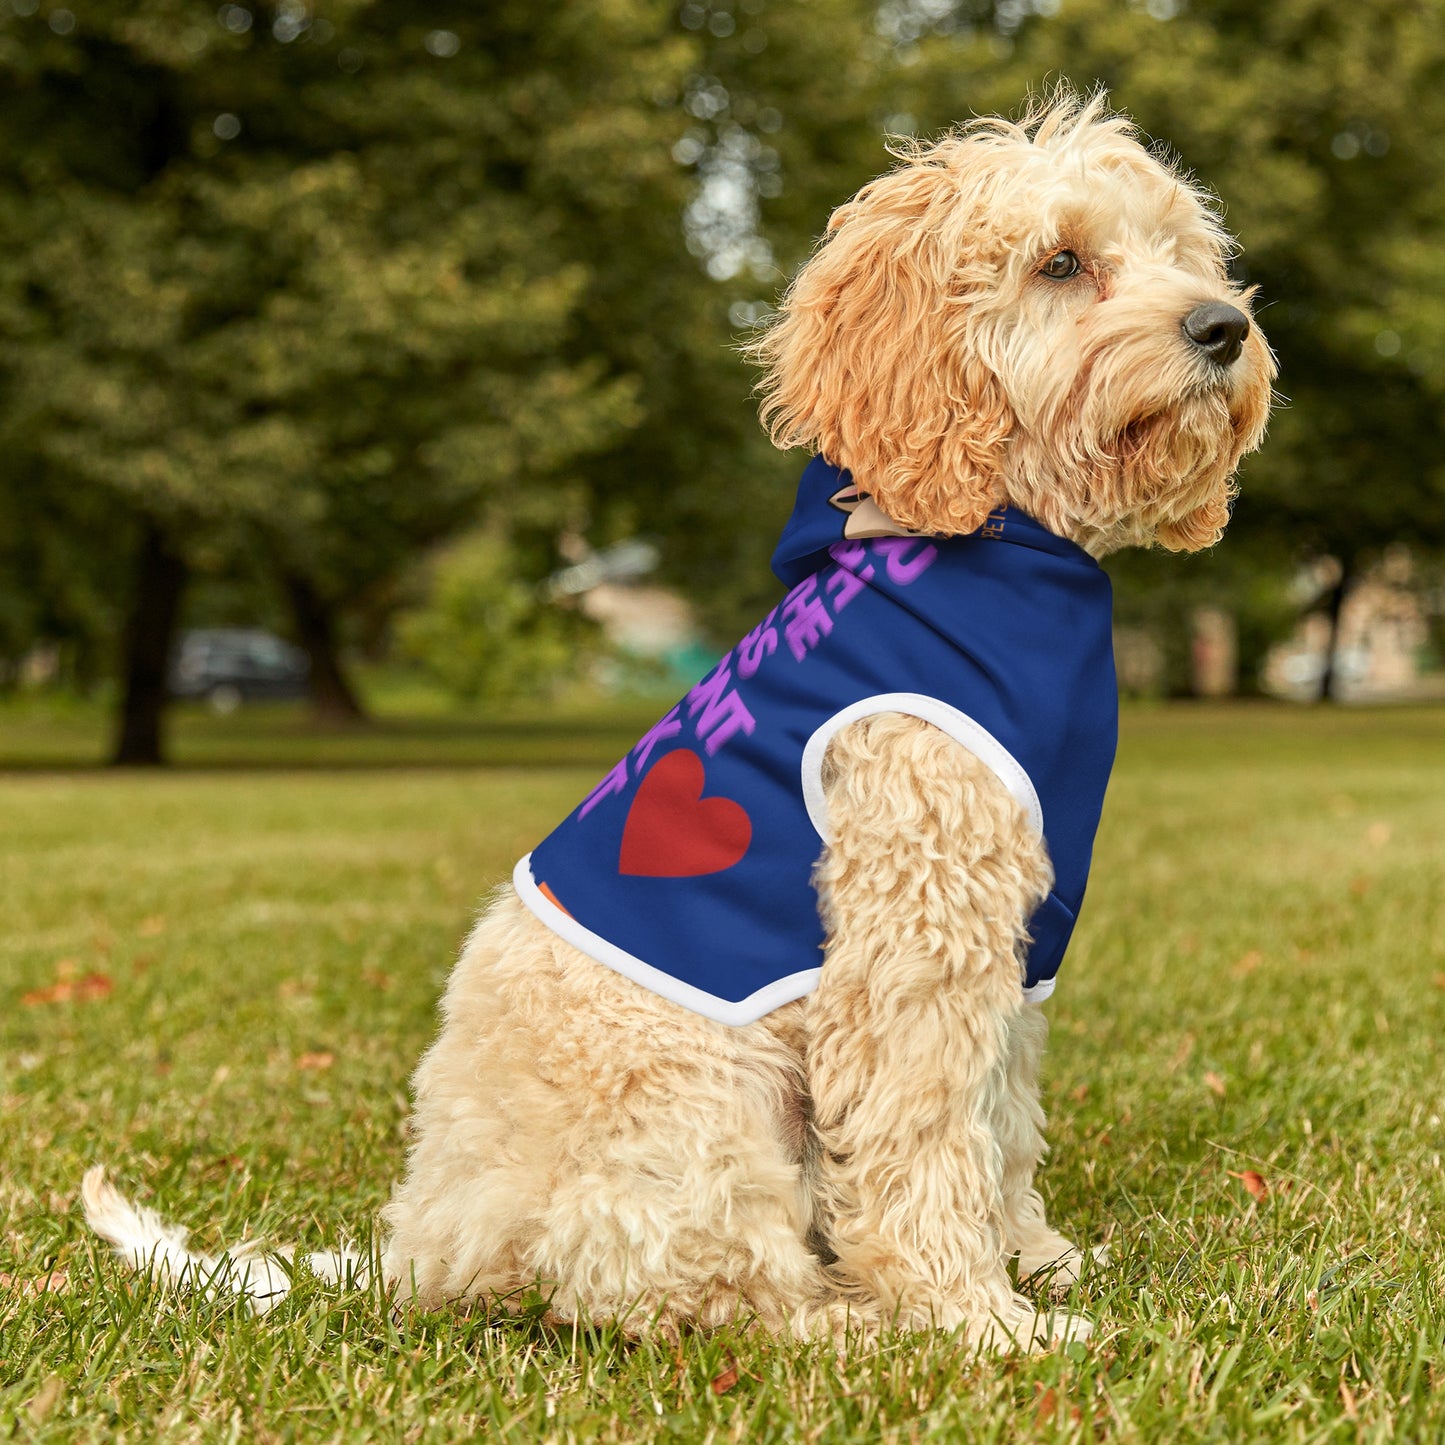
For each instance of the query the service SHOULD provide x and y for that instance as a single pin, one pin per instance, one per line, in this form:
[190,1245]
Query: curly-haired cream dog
[1017,351]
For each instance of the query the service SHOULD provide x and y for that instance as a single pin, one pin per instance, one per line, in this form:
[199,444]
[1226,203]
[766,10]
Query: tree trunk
[1329,678]
[150,628]
[333,699]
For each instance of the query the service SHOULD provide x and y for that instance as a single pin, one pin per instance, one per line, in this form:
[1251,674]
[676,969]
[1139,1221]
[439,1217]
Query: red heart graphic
[672,831]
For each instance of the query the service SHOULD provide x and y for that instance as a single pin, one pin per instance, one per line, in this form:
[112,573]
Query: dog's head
[1033,313]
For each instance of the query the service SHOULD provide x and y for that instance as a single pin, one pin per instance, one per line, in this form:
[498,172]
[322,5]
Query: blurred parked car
[230,665]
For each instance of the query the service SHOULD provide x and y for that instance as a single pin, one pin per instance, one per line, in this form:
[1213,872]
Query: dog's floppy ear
[872,359]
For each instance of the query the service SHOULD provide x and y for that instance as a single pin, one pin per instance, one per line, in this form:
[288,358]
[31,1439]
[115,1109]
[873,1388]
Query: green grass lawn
[217,980]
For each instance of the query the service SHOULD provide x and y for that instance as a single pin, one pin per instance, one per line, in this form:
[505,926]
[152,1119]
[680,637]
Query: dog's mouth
[1204,407]
[1156,429]
[1209,386]
[1168,448]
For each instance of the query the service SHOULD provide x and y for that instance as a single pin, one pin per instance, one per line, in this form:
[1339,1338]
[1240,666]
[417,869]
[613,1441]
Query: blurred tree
[318,285]
[481,632]
[779,118]
[57,572]
[309,284]
[1161,593]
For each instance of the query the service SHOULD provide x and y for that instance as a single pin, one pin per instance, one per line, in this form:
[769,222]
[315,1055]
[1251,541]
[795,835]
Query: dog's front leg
[1042,1251]
[926,887]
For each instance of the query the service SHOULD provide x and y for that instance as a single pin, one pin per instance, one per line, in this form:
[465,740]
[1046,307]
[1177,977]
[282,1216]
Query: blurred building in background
[652,632]
[1382,646]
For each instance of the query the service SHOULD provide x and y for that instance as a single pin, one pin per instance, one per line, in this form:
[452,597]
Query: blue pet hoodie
[689,866]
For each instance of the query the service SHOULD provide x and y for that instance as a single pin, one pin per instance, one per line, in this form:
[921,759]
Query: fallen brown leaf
[1254,1182]
[1248,963]
[55,993]
[1214,1083]
[1046,1408]
[321,1059]
[724,1382]
[56,1282]
[64,990]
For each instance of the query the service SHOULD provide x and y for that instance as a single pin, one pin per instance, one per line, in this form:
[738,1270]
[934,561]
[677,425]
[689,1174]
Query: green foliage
[484,633]
[309,288]
[343,323]
[61,566]
[779,118]
[316,286]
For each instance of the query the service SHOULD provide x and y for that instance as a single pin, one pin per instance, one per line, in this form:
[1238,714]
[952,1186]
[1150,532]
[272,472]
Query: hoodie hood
[830,509]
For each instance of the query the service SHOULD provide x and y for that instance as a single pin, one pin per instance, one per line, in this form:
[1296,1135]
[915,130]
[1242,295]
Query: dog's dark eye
[1060,266]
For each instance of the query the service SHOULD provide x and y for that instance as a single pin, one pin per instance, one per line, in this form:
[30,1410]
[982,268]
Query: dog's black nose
[1218,331]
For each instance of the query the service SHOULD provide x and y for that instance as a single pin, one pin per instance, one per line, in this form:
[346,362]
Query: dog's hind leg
[577,1135]
[679,1196]
[926,886]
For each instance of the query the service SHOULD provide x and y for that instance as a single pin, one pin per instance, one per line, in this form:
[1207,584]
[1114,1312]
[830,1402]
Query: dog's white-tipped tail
[139,1235]
[147,1243]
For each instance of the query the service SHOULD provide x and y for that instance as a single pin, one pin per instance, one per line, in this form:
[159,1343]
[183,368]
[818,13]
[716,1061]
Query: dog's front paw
[1056,1267]
[1023,1326]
